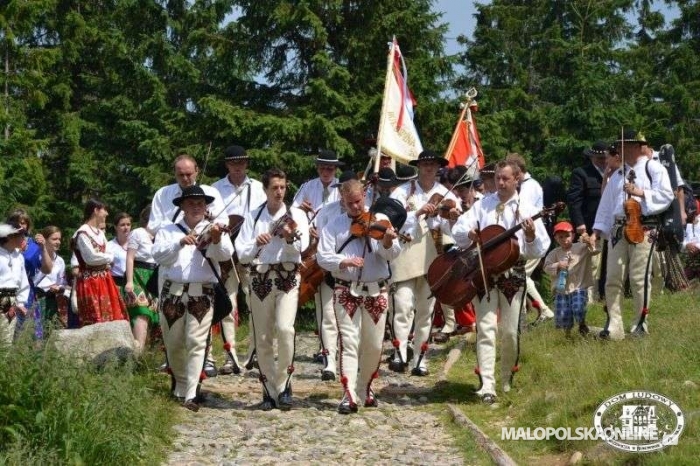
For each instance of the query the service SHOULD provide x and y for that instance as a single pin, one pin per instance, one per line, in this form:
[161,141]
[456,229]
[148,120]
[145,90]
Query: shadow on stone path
[229,430]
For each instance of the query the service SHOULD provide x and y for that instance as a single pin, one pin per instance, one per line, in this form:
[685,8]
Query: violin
[366,225]
[442,205]
[633,230]
[285,227]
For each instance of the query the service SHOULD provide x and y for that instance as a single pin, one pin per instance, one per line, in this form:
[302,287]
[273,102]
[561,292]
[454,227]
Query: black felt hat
[632,136]
[347,175]
[405,172]
[193,192]
[598,149]
[393,209]
[429,156]
[235,153]
[386,177]
[328,157]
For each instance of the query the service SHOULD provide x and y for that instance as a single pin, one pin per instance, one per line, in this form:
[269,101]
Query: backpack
[672,231]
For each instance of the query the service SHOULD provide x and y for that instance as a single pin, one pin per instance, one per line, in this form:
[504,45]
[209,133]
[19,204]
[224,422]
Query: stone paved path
[228,430]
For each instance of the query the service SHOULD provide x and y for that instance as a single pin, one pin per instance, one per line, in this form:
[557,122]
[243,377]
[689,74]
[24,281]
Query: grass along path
[562,382]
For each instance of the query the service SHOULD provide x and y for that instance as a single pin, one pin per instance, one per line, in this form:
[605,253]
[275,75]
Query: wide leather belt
[347,284]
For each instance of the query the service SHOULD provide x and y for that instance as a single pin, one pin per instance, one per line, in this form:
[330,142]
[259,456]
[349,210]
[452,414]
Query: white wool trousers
[625,258]
[186,311]
[273,311]
[328,330]
[360,321]
[413,304]
[488,312]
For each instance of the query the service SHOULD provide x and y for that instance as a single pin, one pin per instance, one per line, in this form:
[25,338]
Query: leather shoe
[371,401]
[441,337]
[229,368]
[583,330]
[327,375]
[488,398]
[191,405]
[397,366]
[210,369]
[347,407]
[267,404]
[318,358]
[284,401]
[419,371]
[252,363]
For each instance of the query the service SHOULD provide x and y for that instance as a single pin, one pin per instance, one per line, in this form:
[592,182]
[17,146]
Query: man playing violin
[164,212]
[187,296]
[505,292]
[645,182]
[240,195]
[359,264]
[412,299]
[325,313]
[271,241]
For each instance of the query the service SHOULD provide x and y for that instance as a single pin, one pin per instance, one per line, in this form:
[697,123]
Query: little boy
[569,265]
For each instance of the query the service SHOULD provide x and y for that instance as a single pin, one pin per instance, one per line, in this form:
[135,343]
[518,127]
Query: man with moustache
[503,298]
[188,253]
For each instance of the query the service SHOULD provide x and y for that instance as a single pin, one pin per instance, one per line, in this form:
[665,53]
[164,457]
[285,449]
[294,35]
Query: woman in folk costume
[140,267]
[36,258]
[50,287]
[97,295]
[117,246]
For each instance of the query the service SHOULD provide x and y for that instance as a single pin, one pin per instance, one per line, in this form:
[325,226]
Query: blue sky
[459,14]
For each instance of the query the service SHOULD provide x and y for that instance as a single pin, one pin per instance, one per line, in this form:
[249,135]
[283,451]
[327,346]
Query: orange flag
[465,146]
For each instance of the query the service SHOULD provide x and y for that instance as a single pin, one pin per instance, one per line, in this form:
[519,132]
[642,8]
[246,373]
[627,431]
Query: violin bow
[481,261]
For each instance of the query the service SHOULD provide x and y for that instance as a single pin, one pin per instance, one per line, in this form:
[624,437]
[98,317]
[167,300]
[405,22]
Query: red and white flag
[397,135]
[465,146]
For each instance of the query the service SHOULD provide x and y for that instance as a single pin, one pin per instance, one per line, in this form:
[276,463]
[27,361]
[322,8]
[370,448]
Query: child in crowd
[569,265]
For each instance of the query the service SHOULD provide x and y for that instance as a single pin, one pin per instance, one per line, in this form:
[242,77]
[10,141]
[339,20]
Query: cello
[456,277]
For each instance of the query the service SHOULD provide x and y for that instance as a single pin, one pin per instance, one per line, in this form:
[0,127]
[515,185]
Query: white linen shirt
[277,251]
[163,209]
[57,276]
[239,200]
[119,262]
[186,264]
[90,255]
[692,233]
[375,268]
[484,213]
[141,242]
[414,201]
[312,192]
[657,194]
[531,192]
[13,274]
